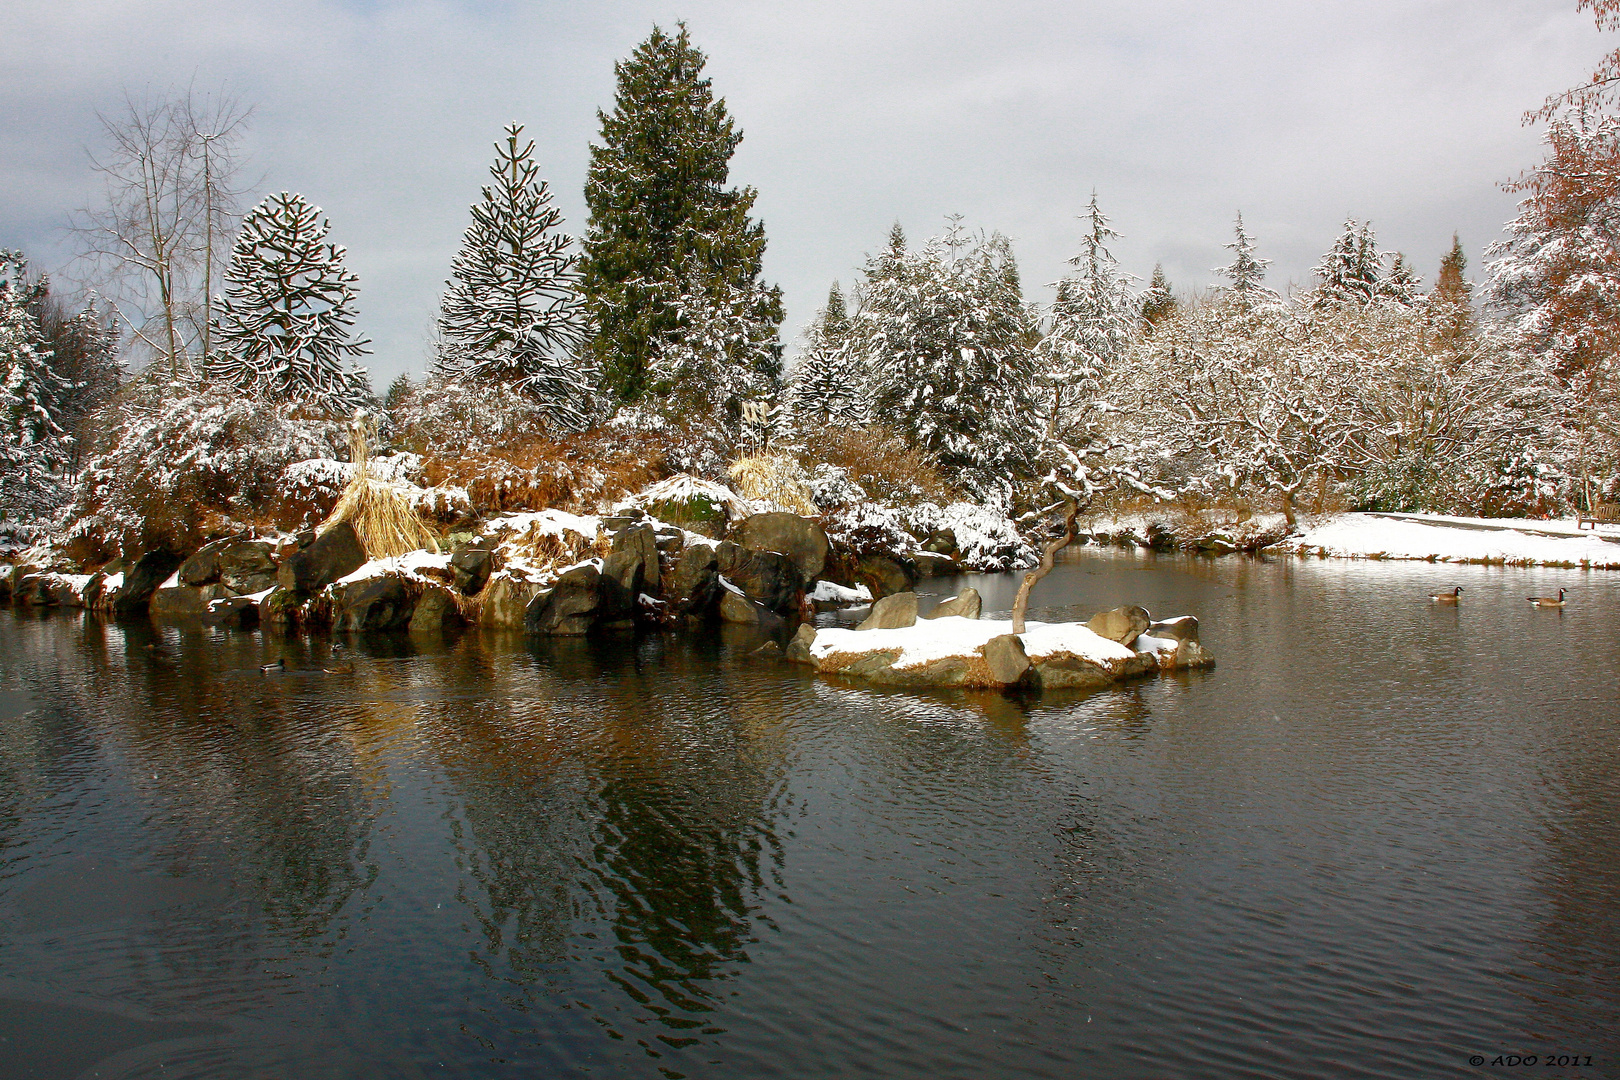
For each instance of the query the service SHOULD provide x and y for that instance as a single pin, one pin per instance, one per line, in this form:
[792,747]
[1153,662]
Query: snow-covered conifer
[827,382]
[512,312]
[283,330]
[722,353]
[1157,300]
[33,445]
[1094,319]
[1245,272]
[947,345]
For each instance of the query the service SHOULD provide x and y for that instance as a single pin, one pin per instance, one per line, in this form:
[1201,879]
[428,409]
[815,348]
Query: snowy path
[1437,538]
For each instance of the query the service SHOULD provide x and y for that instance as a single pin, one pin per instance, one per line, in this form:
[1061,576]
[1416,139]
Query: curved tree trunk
[1048,559]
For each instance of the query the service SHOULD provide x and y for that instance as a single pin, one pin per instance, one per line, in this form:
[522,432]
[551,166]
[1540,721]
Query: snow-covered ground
[1436,538]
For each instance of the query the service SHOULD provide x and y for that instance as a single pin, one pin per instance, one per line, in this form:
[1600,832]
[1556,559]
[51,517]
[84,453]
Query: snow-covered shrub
[168,469]
[882,463]
[985,539]
[831,487]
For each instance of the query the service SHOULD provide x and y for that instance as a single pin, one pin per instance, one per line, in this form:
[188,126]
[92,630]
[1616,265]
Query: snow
[172,581]
[1437,538]
[729,587]
[936,639]
[685,487]
[112,582]
[830,592]
[545,523]
[409,565]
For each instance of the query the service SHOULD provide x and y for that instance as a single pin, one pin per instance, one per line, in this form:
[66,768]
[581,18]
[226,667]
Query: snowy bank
[1437,538]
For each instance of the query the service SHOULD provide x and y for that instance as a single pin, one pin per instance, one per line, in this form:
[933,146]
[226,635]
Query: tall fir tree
[1453,296]
[283,329]
[948,343]
[1158,300]
[1094,320]
[663,224]
[828,384]
[33,445]
[1245,272]
[512,313]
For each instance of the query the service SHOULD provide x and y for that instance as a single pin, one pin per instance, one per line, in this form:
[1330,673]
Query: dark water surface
[1379,838]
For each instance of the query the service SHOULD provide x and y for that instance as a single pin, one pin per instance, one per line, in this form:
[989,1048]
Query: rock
[244,566]
[279,610]
[802,540]
[670,540]
[943,542]
[798,650]
[335,553]
[1004,655]
[883,575]
[569,608]
[186,601]
[233,612]
[1182,629]
[767,577]
[1216,544]
[768,651]
[471,567]
[32,590]
[1122,624]
[932,564]
[372,605]
[694,582]
[505,602]
[142,579]
[964,605]
[1069,673]
[892,612]
[642,542]
[741,611]
[622,580]
[436,611]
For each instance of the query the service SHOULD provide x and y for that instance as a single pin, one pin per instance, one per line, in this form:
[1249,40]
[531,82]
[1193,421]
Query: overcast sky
[855,115]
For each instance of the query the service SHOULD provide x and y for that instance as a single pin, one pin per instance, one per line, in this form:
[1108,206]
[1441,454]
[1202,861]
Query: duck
[339,669]
[279,665]
[1447,597]
[1548,601]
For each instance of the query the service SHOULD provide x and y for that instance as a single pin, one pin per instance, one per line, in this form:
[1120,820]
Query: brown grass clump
[538,473]
[774,477]
[386,522]
[888,467]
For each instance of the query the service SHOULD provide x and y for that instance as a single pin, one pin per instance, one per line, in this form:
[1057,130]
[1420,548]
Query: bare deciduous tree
[170,188]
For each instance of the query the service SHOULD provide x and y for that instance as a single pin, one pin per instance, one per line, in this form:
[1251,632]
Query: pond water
[1380,837]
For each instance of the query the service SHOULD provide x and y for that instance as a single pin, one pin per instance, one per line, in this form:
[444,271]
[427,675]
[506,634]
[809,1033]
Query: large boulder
[280,609]
[186,601]
[933,564]
[942,542]
[964,605]
[623,579]
[142,579]
[1005,657]
[471,567]
[1184,628]
[802,540]
[693,585]
[569,608]
[883,575]
[504,603]
[436,611]
[640,541]
[892,613]
[372,605]
[334,554]
[738,610]
[245,566]
[768,577]
[1122,624]
[233,612]
[798,650]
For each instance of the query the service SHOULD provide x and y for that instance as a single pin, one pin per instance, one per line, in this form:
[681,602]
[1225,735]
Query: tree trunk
[1048,560]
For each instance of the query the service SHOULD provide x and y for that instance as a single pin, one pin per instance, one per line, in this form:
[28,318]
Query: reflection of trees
[631,783]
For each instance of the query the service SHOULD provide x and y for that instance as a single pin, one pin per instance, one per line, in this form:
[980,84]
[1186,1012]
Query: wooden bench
[1604,513]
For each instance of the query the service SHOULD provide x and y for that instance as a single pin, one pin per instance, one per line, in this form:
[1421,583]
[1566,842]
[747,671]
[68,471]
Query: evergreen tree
[1094,320]
[33,445]
[1245,271]
[1158,301]
[512,312]
[399,392]
[1399,283]
[84,353]
[664,228]
[1356,272]
[1453,296]
[828,384]
[947,343]
[715,357]
[283,330]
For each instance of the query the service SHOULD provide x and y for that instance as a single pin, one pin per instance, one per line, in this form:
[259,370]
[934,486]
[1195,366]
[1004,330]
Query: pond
[1380,837]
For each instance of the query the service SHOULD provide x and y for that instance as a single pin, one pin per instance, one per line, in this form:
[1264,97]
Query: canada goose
[279,665]
[1447,597]
[1548,601]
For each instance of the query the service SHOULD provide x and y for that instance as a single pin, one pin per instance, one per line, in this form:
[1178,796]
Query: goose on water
[1447,597]
[1548,601]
